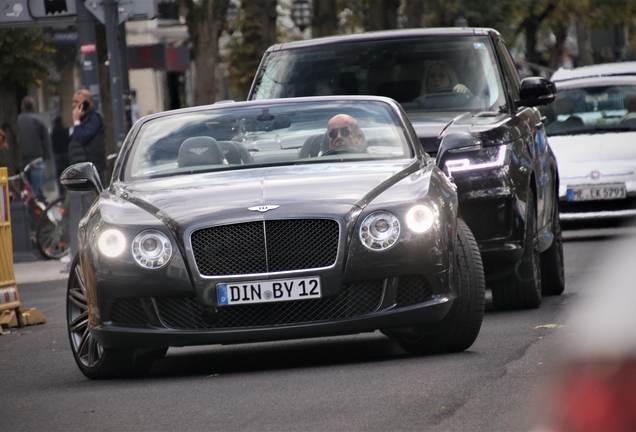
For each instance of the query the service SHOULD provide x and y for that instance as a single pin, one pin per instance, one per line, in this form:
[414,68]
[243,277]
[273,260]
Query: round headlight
[111,243]
[420,218]
[151,249]
[379,231]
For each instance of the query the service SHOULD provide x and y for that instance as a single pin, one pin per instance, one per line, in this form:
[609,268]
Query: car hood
[240,194]
[490,127]
[615,147]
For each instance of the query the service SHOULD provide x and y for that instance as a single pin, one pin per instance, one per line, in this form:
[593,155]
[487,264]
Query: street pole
[87,42]
[123,50]
[114,67]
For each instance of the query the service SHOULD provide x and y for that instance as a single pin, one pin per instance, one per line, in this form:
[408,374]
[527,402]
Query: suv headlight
[487,157]
[152,249]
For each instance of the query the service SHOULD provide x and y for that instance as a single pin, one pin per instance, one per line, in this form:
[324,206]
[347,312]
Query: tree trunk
[531,28]
[205,20]
[325,20]
[259,33]
[382,14]
[584,42]
[413,11]
[264,12]
[558,52]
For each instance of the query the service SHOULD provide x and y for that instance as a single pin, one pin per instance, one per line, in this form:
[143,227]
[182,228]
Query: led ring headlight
[379,231]
[151,249]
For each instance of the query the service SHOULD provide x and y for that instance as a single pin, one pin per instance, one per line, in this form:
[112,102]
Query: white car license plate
[235,293]
[600,192]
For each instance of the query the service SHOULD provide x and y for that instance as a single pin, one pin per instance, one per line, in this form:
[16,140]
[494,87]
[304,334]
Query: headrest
[199,151]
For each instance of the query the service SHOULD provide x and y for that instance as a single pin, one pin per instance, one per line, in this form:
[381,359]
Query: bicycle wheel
[53,234]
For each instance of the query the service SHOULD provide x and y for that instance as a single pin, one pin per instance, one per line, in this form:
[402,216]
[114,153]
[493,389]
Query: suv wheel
[552,268]
[521,289]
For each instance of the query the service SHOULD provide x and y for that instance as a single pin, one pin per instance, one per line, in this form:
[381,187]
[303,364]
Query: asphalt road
[364,382]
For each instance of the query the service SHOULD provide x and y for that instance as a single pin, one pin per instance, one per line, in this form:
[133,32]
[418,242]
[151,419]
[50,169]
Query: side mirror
[82,177]
[536,91]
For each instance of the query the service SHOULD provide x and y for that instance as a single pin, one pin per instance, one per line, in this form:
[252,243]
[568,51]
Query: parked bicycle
[49,221]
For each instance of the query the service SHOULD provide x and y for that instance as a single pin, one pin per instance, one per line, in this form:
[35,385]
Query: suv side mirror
[536,91]
[82,176]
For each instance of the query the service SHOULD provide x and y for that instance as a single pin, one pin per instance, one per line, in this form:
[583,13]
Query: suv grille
[488,218]
[265,246]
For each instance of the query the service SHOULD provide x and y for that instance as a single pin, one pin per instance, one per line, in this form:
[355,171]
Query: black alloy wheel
[459,329]
[521,289]
[552,265]
[93,360]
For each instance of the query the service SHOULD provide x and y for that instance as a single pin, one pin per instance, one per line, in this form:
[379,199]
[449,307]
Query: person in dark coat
[60,139]
[88,140]
[34,142]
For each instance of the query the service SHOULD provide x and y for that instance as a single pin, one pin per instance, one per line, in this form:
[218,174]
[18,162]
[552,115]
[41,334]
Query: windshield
[233,137]
[433,73]
[587,110]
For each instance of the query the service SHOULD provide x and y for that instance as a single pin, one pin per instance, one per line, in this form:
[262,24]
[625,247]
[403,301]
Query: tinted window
[401,69]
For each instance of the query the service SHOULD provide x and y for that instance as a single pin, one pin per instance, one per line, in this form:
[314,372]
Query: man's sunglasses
[344,132]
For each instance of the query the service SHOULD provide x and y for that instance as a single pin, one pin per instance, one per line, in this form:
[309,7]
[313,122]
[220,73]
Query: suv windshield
[432,73]
[587,110]
[243,136]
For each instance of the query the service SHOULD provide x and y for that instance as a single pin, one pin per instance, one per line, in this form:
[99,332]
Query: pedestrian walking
[88,140]
[60,139]
[34,143]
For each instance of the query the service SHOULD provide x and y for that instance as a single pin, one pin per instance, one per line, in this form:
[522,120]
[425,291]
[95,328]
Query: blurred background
[177,53]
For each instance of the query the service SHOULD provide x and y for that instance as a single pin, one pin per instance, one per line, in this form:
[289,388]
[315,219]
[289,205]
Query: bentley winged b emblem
[263,208]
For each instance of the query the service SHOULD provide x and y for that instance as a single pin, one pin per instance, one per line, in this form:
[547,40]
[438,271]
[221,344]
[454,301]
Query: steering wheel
[342,150]
[443,90]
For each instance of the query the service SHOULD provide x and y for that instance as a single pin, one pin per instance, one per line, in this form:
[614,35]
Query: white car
[592,130]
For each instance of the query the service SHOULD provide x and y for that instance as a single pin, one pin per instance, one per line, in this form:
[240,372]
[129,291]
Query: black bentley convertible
[261,221]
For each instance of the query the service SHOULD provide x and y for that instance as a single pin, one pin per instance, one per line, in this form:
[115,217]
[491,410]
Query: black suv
[471,111]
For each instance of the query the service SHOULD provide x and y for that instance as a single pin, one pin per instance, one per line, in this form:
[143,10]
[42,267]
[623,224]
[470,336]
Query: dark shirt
[60,139]
[33,136]
[88,141]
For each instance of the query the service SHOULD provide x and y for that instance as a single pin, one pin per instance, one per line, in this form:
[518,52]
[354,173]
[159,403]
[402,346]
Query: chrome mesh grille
[355,300]
[265,246]
[413,289]
[128,311]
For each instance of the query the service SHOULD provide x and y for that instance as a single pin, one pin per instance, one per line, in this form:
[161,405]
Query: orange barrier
[11,312]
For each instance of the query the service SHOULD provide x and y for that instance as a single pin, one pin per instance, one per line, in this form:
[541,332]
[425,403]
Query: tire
[521,289]
[93,360]
[459,329]
[53,231]
[552,266]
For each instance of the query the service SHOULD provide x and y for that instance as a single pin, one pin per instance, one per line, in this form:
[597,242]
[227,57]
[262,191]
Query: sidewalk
[39,271]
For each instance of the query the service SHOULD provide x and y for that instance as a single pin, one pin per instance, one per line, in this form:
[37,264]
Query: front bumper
[591,210]
[151,322]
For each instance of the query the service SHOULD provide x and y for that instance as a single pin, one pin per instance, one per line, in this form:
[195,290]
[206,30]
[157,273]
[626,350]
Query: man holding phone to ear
[88,140]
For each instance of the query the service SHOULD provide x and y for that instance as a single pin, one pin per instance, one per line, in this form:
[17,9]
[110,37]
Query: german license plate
[266,291]
[597,192]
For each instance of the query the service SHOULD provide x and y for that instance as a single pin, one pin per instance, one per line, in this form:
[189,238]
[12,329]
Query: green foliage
[243,62]
[24,56]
